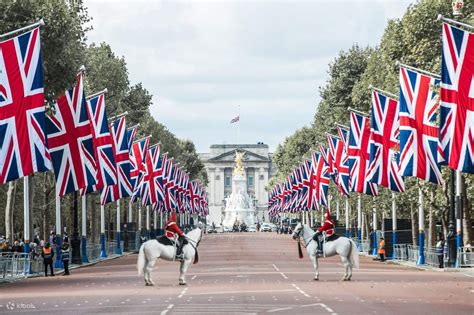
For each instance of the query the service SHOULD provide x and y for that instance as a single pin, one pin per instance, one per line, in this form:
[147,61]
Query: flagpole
[59,262]
[431,74]
[147,222]
[347,217]
[374,226]
[359,218]
[118,248]
[85,259]
[238,129]
[104,91]
[26,215]
[444,19]
[421,228]
[103,252]
[24,28]
[394,223]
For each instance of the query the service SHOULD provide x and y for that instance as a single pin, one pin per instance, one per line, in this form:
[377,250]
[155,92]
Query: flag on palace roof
[419,145]
[457,98]
[22,116]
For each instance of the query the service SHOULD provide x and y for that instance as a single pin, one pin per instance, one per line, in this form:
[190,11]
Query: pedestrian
[17,248]
[65,255]
[48,254]
[439,247]
[382,249]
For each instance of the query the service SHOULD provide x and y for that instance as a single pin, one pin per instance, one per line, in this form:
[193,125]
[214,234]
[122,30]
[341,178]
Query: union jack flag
[384,145]
[339,162]
[103,145]
[138,166]
[169,184]
[22,114]
[123,188]
[320,169]
[153,190]
[358,155]
[419,143]
[70,141]
[457,99]
[309,182]
[328,159]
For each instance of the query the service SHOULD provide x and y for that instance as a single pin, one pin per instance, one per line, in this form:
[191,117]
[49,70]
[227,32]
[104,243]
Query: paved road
[240,274]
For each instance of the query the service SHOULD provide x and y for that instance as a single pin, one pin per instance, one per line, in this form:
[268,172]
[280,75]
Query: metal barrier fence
[21,265]
[400,252]
[465,257]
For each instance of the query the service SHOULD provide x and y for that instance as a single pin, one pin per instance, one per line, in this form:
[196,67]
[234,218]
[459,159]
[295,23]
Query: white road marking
[194,277]
[182,293]
[327,308]
[167,309]
[275,267]
[279,309]
[245,291]
[283,275]
[299,290]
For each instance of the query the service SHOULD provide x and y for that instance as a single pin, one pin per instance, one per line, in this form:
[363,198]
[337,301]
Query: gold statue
[239,163]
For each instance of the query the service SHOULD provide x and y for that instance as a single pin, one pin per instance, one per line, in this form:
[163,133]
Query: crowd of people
[40,249]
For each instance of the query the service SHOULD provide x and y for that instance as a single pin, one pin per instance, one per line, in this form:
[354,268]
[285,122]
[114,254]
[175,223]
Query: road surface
[244,273]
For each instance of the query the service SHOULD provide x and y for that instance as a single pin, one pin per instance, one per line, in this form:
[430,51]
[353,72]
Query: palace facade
[219,163]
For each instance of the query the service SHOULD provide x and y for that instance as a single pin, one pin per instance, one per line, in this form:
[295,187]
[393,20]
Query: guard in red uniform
[327,229]
[173,232]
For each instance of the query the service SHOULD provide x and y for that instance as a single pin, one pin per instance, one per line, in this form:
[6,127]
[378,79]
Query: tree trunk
[414,226]
[8,212]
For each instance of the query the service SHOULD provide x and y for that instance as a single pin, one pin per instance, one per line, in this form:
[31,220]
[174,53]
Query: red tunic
[327,227]
[172,229]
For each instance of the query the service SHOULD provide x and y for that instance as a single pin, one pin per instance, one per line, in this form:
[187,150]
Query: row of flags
[76,141]
[411,136]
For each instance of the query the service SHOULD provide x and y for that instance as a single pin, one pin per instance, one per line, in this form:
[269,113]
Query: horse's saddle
[332,237]
[163,239]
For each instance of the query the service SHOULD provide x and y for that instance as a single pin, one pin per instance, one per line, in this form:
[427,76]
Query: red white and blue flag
[70,141]
[320,170]
[153,190]
[123,188]
[339,161]
[457,99]
[138,166]
[23,149]
[103,145]
[358,155]
[419,145]
[384,144]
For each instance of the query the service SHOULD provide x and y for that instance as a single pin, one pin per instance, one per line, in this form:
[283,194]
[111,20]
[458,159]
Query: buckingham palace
[219,163]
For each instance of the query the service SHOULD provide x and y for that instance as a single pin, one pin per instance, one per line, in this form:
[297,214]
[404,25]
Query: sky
[205,62]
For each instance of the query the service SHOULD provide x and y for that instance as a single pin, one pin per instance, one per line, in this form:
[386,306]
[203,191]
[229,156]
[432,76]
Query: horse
[345,247]
[151,250]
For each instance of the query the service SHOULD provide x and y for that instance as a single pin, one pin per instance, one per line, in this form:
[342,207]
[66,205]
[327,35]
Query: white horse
[151,250]
[345,247]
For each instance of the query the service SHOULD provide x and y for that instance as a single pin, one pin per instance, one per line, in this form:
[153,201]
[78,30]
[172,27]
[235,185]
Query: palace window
[227,181]
[250,181]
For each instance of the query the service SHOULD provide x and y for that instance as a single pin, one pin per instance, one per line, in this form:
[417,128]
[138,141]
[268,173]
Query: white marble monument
[238,206]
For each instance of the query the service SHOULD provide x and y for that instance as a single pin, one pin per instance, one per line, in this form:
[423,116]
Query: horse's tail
[196,256]
[354,255]
[141,259]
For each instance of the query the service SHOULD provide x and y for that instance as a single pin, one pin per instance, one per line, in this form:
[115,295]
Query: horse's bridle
[297,234]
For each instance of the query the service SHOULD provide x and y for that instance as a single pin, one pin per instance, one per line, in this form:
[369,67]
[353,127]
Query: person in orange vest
[327,228]
[47,253]
[174,233]
[382,249]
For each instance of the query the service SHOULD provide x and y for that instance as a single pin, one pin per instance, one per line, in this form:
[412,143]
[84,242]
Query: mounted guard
[176,235]
[325,233]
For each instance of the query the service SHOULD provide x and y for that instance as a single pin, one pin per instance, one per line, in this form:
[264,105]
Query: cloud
[200,60]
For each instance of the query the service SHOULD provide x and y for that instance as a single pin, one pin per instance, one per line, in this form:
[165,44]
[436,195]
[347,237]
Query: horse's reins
[305,244]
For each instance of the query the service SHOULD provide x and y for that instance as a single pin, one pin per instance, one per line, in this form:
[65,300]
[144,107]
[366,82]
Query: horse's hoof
[316,279]
[149,284]
[182,283]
